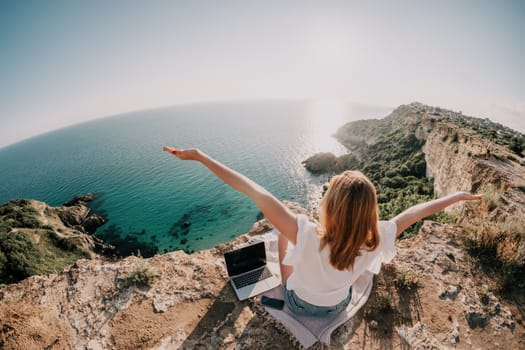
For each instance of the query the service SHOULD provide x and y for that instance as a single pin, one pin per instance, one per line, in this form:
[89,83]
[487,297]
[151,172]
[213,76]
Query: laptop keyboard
[251,277]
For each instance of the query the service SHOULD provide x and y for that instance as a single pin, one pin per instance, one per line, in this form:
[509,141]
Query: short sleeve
[386,250]
[295,252]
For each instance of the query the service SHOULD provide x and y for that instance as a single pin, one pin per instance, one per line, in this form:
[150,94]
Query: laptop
[248,271]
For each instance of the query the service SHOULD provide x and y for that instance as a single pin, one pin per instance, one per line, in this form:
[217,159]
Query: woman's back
[315,280]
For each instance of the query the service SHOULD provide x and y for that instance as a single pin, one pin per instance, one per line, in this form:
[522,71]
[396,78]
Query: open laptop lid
[245,259]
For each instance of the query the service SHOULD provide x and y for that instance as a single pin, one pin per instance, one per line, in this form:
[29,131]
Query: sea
[154,202]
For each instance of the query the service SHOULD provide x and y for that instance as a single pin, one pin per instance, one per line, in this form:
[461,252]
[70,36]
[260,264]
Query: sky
[64,62]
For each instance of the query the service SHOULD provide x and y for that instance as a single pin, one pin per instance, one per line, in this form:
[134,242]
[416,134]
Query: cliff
[453,285]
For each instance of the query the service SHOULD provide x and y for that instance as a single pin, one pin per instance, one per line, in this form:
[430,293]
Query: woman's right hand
[184,154]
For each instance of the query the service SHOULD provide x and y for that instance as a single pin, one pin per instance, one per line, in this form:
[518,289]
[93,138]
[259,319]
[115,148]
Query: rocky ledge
[433,295]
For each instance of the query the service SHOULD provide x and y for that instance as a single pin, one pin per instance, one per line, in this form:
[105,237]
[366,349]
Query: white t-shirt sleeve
[295,252]
[386,250]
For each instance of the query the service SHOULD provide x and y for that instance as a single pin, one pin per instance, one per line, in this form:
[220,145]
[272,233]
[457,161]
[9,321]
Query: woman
[322,260]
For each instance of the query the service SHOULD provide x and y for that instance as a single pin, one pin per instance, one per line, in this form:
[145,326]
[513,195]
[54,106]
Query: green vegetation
[491,197]
[494,132]
[406,281]
[21,256]
[58,252]
[141,275]
[18,213]
[18,257]
[517,145]
[27,249]
[500,249]
[16,249]
[382,302]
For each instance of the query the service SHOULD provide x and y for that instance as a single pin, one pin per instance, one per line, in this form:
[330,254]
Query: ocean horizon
[157,202]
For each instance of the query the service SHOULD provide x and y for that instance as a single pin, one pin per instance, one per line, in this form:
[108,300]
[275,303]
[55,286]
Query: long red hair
[349,218]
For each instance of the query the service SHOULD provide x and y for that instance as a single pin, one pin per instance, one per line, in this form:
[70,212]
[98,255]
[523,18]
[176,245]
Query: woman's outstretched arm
[420,211]
[279,215]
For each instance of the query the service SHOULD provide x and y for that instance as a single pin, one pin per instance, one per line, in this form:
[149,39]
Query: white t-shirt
[316,281]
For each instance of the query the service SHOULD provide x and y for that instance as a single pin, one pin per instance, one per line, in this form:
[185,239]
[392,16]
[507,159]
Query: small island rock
[79,199]
[320,162]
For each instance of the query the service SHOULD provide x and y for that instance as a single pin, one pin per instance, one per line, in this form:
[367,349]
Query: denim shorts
[300,307]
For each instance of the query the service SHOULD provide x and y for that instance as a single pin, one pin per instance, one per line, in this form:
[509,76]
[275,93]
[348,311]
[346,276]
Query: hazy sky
[62,62]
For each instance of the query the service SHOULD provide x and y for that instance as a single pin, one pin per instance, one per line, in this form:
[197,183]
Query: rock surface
[92,222]
[74,218]
[189,304]
[75,214]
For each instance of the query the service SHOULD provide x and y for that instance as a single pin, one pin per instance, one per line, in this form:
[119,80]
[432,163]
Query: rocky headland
[457,283]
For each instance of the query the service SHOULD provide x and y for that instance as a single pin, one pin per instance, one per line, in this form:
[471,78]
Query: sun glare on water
[326,116]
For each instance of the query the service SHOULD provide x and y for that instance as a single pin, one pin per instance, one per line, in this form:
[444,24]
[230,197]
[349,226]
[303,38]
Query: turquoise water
[146,194]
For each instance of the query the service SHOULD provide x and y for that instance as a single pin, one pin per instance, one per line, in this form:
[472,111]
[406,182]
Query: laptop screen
[245,259]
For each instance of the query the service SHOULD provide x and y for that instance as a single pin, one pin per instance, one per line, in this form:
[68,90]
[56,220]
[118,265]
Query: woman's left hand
[465,196]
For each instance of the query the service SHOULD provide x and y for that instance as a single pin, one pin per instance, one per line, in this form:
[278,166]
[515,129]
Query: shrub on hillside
[517,145]
[18,257]
[406,281]
[394,182]
[3,263]
[501,249]
[382,302]
[491,197]
[18,213]
[141,276]
[21,256]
